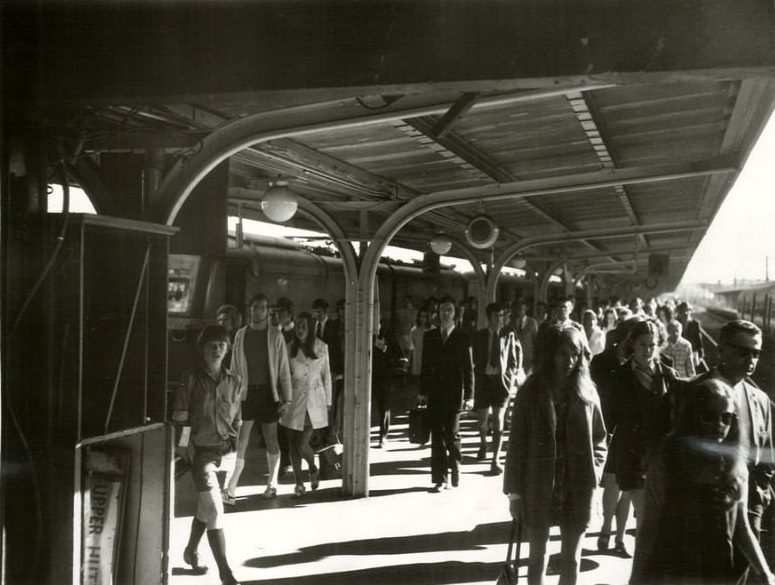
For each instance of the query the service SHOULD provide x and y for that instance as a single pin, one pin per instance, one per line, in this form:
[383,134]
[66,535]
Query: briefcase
[419,426]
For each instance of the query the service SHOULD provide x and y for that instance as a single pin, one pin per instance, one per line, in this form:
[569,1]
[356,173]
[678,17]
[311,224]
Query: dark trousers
[445,443]
[283,439]
[742,570]
[381,393]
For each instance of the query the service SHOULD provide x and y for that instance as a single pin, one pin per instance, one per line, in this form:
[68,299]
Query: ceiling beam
[573,183]
[140,139]
[459,109]
[592,122]
[242,195]
[590,256]
[506,255]
[754,99]
[473,158]
[276,46]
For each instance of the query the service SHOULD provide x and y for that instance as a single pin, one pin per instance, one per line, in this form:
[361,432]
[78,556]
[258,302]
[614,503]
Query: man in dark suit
[497,358]
[447,385]
[526,330]
[740,344]
[691,331]
[328,330]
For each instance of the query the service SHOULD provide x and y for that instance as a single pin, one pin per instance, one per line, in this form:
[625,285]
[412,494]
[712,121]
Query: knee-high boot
[197,532]
[239,465]
[497,441]
[190,554]
[217,542]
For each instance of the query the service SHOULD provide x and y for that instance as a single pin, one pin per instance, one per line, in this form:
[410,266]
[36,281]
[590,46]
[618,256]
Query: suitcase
[419,426]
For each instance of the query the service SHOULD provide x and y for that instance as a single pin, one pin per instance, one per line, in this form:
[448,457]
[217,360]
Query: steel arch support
[526,243]
[327,222]
[235,135]
[356,395]
[543,285]
[359,324]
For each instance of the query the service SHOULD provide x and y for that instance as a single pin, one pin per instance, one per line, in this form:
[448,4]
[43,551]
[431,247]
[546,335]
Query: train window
[181,283]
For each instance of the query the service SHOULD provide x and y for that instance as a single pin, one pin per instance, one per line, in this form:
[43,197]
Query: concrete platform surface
[401,534]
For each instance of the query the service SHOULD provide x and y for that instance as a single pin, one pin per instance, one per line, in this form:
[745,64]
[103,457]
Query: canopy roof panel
[620,118]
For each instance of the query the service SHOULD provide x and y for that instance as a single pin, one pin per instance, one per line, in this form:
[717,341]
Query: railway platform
[400,534]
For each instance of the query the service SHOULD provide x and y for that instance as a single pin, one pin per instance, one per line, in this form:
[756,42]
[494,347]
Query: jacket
[447,370]
[526,335]
[639,421]
[759,442]
[279,370]
[509,357]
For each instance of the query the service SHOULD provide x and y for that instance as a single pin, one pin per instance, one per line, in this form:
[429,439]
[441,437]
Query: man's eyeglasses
[745,352]
[710,417]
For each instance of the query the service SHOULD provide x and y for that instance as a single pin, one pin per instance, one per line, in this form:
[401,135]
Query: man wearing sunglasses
[740,344]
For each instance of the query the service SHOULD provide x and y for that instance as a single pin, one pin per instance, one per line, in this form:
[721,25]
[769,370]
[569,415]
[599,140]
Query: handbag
[331,459]
[509,574]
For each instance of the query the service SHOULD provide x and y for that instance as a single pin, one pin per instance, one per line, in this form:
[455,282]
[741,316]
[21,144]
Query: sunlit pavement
[401,534]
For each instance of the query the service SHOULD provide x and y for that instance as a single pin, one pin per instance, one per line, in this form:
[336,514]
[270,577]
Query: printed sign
[103,504]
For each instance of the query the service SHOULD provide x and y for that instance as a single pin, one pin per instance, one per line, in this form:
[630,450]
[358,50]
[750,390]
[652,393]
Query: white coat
[311,383]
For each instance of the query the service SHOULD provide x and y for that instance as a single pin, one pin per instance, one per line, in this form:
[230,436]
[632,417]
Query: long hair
[308,345]
[690,449]
[548,343]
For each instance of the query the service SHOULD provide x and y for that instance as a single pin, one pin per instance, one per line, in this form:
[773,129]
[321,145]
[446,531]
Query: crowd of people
[623,400]
[692,453]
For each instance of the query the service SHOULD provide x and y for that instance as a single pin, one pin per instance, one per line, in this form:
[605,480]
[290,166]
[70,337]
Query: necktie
[494,351]
[443,336]
[319,332]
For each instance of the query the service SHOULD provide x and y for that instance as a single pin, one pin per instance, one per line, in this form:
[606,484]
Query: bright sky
[743,232]
[735,246]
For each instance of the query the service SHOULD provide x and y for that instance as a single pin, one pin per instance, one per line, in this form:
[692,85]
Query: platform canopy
[599,131]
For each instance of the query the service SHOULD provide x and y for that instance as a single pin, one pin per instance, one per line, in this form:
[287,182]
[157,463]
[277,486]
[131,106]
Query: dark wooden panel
[122,50]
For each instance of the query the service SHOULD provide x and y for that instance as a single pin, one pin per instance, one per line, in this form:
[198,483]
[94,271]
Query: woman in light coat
[557,448]
[311,400]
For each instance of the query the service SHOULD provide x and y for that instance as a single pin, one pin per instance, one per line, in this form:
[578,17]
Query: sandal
[299,490]
[227,498]
[270,492]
